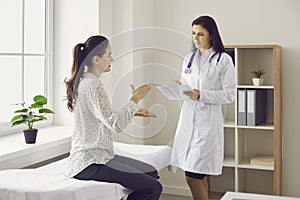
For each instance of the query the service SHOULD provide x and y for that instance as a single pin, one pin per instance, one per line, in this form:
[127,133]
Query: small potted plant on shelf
[31,114]
[257,74]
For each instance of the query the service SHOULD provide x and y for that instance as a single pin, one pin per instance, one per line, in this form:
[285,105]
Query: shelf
[266,126]
[256,87]
[245,164]
[229,124]
[255,181]
[229,161]
[242,142]
[52,141]
[266,46]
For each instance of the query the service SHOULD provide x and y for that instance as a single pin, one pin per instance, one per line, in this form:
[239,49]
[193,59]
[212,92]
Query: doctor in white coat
[199,140]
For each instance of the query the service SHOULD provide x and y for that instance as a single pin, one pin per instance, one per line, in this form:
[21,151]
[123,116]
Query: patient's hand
[144,113]
[139,93]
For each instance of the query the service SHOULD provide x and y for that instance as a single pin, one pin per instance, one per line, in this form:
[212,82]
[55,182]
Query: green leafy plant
[258,73]
[31,114]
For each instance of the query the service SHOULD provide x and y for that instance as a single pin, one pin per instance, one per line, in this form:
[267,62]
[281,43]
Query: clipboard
[175,92]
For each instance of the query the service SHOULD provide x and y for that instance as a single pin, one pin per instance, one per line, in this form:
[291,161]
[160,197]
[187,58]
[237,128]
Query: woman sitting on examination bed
[92,156]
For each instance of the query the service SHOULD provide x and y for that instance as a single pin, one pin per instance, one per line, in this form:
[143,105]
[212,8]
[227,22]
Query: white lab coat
[199,141]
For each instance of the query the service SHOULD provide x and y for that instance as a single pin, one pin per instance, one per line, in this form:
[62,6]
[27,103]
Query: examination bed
[50,183]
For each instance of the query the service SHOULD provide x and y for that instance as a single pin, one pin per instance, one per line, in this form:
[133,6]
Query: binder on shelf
[256,107]
[242,107]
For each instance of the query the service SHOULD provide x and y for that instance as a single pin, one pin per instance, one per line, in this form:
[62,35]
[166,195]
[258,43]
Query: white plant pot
[257,81]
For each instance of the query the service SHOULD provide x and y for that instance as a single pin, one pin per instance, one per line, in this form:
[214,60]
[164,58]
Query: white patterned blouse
[95,122]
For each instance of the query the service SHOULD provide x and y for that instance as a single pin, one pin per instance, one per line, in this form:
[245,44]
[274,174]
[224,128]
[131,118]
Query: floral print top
[95,122]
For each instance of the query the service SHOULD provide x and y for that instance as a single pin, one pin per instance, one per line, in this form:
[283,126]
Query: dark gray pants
[135,175]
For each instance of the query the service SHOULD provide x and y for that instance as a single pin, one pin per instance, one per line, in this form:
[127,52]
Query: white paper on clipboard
[175,92]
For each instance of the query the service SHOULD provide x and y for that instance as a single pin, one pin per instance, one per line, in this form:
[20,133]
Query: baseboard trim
[181,191]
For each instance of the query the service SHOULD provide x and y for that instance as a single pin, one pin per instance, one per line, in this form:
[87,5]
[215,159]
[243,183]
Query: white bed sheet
[50,183]
[157,155]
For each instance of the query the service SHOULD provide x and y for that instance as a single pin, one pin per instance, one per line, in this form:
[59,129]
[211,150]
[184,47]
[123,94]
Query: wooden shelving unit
[244,142]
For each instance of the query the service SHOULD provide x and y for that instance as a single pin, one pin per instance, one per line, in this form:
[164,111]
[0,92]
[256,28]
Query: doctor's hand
[144,113]
[139,93]
[177,82]
[194,95]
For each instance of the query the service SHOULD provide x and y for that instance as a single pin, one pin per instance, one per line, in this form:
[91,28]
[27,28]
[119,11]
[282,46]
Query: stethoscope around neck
[188,69]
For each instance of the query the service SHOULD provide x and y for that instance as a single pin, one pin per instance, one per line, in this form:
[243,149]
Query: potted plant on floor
[31,114]
[257,74]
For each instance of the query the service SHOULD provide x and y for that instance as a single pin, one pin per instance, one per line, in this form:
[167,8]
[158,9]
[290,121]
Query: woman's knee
[153,174]
[157,186]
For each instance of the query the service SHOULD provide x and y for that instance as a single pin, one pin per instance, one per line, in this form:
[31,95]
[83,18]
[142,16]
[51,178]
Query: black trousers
[135,175]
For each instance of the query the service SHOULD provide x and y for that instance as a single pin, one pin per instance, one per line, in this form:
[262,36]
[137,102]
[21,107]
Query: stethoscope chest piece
[188,70]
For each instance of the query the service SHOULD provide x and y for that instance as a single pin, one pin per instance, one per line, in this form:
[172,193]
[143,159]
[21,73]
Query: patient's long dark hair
[82,57]
[210,25]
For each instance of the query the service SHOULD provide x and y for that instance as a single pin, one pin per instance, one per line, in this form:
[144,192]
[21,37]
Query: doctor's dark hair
[210,25]
[83,54]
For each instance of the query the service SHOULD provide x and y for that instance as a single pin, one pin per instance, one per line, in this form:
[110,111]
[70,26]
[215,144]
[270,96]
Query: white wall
[74,22]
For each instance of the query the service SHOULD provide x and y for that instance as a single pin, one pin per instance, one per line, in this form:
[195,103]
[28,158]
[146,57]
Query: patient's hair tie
[82,46]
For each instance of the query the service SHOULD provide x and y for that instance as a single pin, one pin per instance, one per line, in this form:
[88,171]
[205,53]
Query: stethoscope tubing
[188,67]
